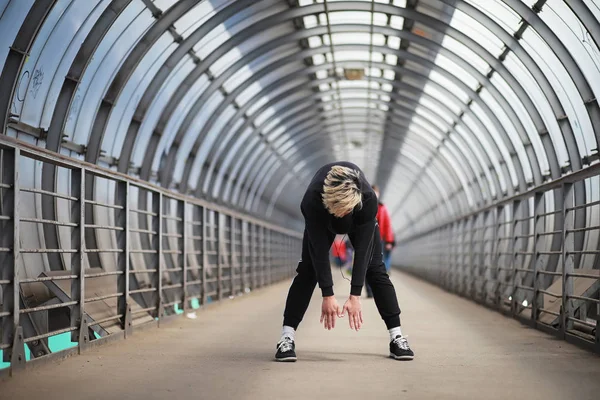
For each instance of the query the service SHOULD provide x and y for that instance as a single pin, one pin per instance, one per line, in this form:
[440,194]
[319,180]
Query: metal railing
[130,255]
[534,256]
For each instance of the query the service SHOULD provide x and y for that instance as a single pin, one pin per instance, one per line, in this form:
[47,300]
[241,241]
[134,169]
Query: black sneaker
[399,349]
[285,350]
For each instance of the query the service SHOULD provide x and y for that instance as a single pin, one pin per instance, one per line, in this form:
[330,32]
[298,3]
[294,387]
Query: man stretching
[339,200]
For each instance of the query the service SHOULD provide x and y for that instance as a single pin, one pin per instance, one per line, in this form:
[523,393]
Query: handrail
[60,160]
[573,177]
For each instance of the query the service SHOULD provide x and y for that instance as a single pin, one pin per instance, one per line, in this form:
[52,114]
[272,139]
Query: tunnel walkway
[463,351]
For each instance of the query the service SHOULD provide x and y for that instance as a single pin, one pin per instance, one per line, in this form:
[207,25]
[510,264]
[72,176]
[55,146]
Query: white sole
[401,358]
[287,359]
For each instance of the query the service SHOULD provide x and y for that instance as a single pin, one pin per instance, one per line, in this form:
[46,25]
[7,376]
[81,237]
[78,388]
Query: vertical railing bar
[77,259]
[16,238]
[516,210]
[243,266]
[127,255]
[204,256]
[537,220]
[484,218]
[456,247]
[252,248]
[269,255]
[474,234]
[184,254]
[262,263]
[159,230]
[123,263]
[218,243]
[231,253]
[493,256]
[567,260]
[466,258]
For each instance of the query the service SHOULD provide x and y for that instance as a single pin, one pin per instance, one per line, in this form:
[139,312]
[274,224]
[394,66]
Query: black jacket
[321,227]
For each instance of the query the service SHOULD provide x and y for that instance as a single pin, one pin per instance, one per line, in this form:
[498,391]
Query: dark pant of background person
[304,283]
[387,260]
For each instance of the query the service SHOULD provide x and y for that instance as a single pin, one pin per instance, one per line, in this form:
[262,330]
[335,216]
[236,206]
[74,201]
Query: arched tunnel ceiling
[447,104]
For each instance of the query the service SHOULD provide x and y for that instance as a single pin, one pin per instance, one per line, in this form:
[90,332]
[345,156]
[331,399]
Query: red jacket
[339,249]
[385,225]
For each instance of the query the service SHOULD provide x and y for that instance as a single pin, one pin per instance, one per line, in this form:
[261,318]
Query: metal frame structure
[234,102]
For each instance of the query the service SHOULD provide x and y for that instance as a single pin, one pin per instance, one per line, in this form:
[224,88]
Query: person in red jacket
[386,233]
[339,252]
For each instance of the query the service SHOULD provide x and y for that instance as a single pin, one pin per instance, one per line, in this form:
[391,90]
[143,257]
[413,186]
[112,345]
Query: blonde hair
[341,191]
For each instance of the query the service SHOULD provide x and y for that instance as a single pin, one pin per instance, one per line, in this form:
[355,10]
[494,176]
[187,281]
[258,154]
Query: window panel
[446,83]
[378,39]
[418,133]
[387,87]
[419,68]
[314,41]
[159,102]
[463,180]
[321,74]
[524,117]
[594,7]
[465,53]
[517,69]
[419,110]
[379,19]
[477,32]
[389,74]
[193,19]
[257,104]
[351,38]
[310,21]
[470,121]
[481,139]
[569,29]
[349,17]
[565,89]
[376,72]
[396,22]
[394,42]
[480,166]
[318,59]
[437,109]
[509,128]
[449,102]
[164,4]
[505,16]
[457,71]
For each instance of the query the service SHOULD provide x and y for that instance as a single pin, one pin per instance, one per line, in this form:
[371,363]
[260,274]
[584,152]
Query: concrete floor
[463,351]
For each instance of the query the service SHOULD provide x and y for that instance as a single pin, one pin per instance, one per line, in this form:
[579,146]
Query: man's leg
[301,290]
[297,302]
[387,301]
[381,286]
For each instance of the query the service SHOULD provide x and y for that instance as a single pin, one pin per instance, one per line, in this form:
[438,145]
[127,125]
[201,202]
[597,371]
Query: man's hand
[388,246]
[352,305]
[330,310]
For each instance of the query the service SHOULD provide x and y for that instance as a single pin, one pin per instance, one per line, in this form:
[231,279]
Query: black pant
[305,281]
